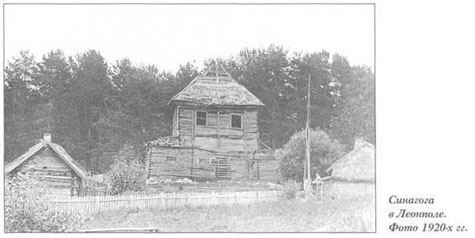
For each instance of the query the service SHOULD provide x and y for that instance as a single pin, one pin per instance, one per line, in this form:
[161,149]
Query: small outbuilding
[50,164]
[353,174]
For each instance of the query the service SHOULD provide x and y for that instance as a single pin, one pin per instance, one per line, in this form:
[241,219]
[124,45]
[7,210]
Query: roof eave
[22,158]
[82,173]
[198,104]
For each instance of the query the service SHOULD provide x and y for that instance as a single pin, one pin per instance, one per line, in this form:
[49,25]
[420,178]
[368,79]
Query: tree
[91,85]
[354,115]
[265,72]
[322,102]
[132,115]
[93,110]
[21,100]
[323,152]
[55,83]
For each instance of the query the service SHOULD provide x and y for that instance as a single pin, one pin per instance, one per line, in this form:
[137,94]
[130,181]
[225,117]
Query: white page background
[425,114]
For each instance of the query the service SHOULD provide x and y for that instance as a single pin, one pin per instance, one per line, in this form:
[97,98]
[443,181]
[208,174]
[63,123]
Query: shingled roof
[357,165]
[216,87]
[59,150]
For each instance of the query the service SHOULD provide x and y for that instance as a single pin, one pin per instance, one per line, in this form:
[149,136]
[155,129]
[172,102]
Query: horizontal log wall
[223,138]
[52,172]
[243,167]
[183,166]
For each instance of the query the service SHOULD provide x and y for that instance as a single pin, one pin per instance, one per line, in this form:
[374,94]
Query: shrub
[26,210]
[93,185]
[291,188]
[125,175]
[323,152]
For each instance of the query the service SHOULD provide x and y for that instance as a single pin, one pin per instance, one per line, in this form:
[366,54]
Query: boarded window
[222,166]
[201,118]
[236,121]
[170,158]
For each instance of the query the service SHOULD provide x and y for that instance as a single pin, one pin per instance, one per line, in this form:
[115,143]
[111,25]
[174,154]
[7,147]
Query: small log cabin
[52,166]
[215,133]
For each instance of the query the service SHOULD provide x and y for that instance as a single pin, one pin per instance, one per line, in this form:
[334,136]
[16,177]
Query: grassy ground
[343,215]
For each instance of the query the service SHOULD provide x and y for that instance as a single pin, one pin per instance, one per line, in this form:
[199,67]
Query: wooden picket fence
[96,204]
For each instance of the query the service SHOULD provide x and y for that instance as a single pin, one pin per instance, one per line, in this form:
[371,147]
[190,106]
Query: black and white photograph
[208,117]
[189,118]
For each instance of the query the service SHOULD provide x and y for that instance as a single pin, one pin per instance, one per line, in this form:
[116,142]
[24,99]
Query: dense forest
[94,107]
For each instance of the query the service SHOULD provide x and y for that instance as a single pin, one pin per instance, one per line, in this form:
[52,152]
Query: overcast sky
[169,35]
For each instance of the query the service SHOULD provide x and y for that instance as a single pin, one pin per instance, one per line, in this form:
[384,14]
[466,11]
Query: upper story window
[236,121]
[201,118]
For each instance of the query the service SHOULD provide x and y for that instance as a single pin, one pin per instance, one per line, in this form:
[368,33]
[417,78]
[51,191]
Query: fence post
[129,201]
[96,204]
[100,204]
[174,199]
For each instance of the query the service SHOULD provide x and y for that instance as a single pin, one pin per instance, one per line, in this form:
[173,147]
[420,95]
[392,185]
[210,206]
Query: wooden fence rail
[96,204]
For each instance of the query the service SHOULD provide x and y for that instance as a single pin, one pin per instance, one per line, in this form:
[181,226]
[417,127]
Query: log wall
[203,164]
[188,163]
[52,172]
[217,134]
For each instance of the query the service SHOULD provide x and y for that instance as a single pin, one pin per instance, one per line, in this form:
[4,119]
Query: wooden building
[217,113]
[353,174]
[215,132]
[50,164]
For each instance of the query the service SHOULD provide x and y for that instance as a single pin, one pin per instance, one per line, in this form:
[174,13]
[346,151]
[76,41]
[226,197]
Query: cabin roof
[216,87]
[59,150]
[357,165]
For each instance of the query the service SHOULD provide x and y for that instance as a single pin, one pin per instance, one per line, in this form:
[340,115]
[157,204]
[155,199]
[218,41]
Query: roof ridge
[203,90]
[22,158]
[63,154]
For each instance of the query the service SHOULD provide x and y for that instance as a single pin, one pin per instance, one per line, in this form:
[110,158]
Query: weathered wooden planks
[217,134]
[204,164]
[56,177]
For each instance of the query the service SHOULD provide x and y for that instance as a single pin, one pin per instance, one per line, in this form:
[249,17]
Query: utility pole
[307,184]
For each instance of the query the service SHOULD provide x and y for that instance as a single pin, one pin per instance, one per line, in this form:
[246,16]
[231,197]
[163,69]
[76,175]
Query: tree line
[93,107]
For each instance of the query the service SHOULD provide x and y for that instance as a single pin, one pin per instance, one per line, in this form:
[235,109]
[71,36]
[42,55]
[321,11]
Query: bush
[93,185]
[125,175]
[26,210]
[291,188]
[323,152]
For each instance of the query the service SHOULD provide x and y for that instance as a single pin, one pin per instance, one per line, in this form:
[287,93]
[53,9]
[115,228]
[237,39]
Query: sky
[170,35]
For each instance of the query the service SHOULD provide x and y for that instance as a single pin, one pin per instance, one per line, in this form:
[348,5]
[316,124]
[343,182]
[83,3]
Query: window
[222,167]
[201,118]
[170,158]
[236,121]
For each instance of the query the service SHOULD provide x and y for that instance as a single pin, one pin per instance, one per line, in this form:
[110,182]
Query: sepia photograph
[173,118]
